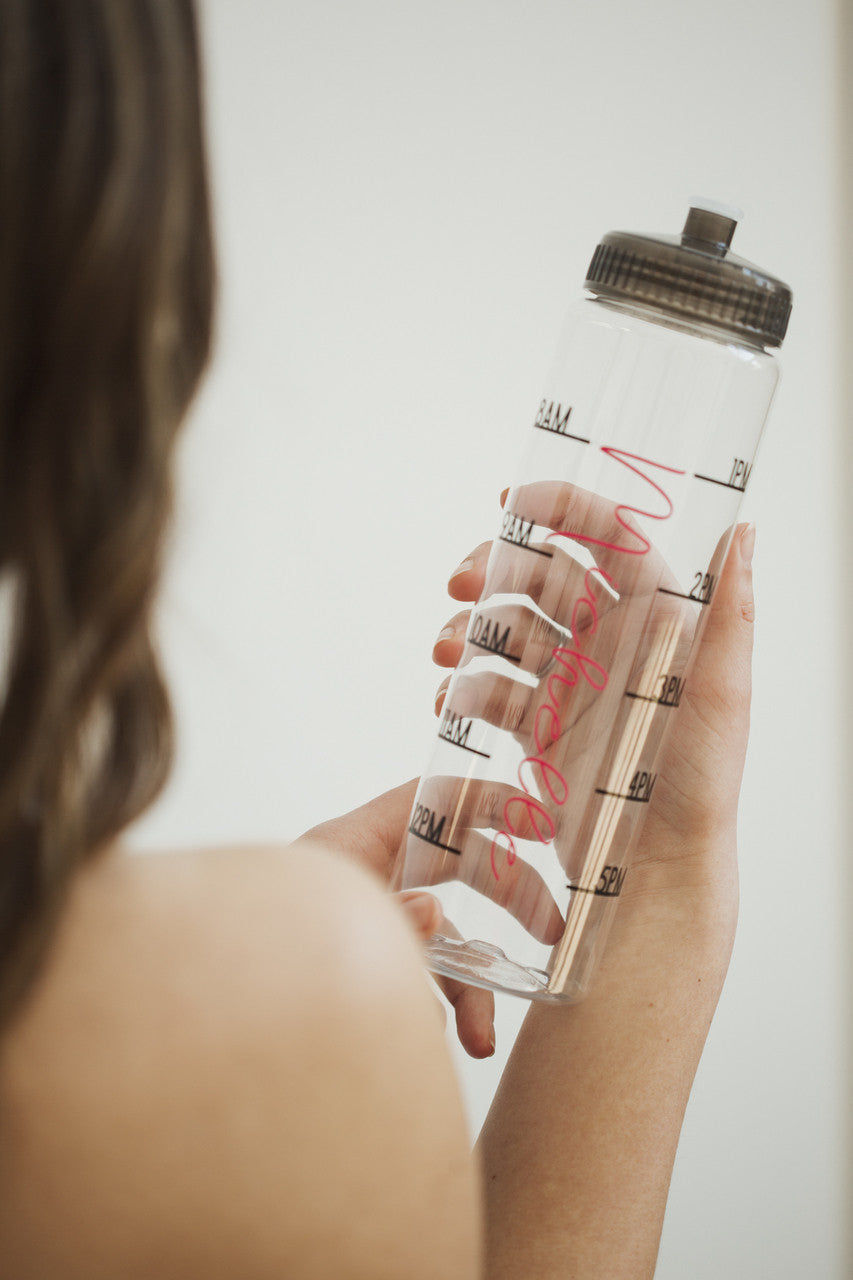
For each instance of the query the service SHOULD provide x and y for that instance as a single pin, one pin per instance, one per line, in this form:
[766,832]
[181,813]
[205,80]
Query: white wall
[407,197]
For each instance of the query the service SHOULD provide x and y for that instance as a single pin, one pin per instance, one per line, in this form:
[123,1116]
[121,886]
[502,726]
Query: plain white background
[407,196]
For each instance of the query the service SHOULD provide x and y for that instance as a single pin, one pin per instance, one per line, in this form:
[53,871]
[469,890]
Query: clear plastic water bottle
[578,652]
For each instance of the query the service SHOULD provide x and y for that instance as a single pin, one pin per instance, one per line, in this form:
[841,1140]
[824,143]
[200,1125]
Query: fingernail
[491,1042]
[446,633]
[747,544]
[504,497]
[463,568]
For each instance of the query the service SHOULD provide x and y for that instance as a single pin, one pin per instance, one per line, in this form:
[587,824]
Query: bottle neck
[654,315]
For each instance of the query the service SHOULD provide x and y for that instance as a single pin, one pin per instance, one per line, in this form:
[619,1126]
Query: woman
[227,1062]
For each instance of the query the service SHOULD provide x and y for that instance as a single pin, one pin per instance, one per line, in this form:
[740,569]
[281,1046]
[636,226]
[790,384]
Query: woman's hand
[698,782]
[695,796]
[371,835]
[643,630]
[580,628]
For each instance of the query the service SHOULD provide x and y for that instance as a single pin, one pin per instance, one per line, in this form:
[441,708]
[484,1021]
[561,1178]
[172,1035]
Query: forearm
[578,1148]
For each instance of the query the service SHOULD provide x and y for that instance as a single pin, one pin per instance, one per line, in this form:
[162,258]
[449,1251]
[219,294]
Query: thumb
[721,680]
[704,754]
[372,833]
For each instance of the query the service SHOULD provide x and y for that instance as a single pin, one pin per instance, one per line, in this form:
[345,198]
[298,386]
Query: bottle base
[482,965]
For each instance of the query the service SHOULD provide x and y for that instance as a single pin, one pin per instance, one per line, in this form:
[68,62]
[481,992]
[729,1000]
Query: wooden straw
[623,769]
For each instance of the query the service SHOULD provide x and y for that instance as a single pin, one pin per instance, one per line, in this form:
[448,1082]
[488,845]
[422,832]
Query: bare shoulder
[233,1067]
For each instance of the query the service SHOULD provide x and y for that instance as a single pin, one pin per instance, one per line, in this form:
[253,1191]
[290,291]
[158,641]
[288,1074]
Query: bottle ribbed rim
[693,279]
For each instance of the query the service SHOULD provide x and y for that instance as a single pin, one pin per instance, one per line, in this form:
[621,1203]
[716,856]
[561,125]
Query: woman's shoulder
[232,1065]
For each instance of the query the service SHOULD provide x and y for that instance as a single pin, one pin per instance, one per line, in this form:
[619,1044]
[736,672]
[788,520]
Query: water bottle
[578,652]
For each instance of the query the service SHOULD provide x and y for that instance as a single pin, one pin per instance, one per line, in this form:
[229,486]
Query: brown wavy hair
[106,288]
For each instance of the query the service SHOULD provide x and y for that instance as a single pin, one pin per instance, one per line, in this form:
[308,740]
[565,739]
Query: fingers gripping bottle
[578,652]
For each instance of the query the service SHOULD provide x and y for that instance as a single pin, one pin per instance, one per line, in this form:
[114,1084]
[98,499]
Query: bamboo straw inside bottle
[622,770]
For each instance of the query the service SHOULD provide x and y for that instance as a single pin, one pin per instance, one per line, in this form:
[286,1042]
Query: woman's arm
[579,1145]
[233,1067]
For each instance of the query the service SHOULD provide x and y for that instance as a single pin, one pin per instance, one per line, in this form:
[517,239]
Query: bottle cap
[694,277]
